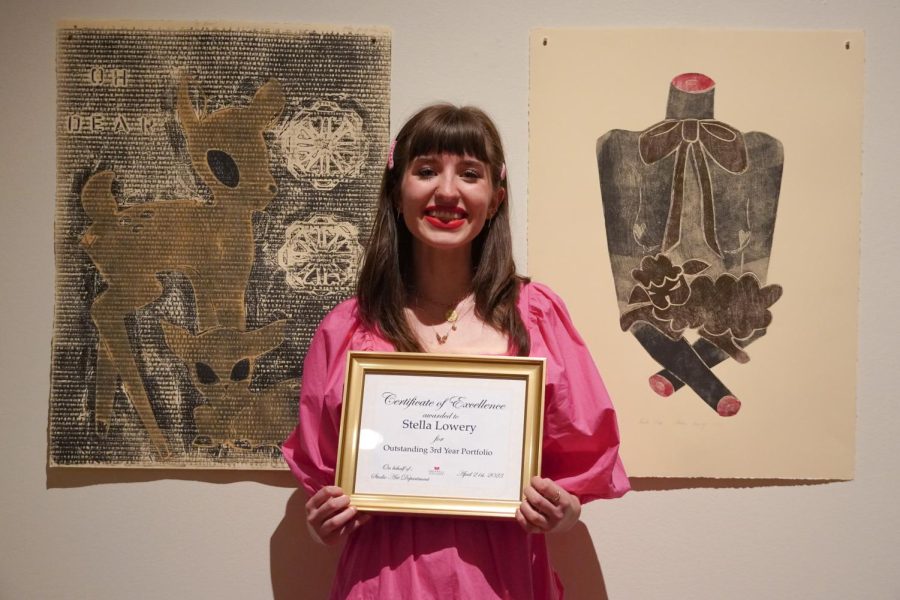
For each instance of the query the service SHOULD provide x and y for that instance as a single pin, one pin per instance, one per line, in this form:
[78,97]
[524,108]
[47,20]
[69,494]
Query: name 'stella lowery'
[437,426]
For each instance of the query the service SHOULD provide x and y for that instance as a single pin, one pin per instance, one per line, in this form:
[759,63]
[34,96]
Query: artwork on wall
[689,207]
[712,264]
[214,189]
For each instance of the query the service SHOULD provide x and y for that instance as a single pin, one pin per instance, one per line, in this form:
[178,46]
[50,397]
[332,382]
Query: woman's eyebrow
[473,162]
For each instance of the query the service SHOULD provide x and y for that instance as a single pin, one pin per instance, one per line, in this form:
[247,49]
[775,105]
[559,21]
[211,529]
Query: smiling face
[446,199]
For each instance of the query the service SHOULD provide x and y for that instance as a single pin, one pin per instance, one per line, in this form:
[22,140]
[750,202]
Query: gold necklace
[451,316]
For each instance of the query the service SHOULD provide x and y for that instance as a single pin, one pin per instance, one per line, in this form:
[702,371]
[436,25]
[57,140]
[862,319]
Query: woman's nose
[446,189]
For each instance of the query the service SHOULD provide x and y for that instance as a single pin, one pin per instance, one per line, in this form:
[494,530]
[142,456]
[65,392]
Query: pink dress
[422,558]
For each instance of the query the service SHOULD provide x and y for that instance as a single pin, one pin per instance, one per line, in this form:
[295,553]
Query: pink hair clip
[503,172]
[391,154]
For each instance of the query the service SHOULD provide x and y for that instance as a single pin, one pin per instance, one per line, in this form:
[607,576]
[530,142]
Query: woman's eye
[472,174]
[425,172]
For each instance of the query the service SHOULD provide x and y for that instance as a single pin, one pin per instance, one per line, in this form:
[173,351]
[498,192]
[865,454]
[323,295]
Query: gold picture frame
[440,434]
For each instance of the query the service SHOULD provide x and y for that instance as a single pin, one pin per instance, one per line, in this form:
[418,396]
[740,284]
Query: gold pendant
[451,318]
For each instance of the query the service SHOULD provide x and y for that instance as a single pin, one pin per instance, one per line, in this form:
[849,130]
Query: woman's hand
[329,516]
[547,507]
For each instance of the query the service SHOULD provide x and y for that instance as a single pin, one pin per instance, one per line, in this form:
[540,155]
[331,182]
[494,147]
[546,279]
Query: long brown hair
[385,278]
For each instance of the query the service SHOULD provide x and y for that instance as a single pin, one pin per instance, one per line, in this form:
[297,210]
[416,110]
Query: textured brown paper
[214,185]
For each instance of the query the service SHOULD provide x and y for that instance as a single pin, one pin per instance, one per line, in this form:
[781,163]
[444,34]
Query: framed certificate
[442,434]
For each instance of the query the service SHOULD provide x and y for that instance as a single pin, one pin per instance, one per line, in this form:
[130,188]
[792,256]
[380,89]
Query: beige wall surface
[803,88]
[118,534]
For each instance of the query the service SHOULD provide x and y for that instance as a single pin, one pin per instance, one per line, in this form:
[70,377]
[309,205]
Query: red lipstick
[453,224]
[451,217]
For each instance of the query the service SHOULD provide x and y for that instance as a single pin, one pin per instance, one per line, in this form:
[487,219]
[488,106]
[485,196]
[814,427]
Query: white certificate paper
[433,435]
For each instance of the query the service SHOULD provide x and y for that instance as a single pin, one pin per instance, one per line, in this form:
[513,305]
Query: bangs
[449,130]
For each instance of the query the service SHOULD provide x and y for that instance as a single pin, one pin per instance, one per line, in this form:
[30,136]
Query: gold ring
[558,494]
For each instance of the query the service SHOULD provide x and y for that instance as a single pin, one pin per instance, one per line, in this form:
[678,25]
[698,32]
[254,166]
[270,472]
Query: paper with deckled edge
[797,419]
[119,87]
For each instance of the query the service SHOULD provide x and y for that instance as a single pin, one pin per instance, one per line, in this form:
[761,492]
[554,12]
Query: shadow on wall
[574,558]
[658,484]
[301,567]
[76,477]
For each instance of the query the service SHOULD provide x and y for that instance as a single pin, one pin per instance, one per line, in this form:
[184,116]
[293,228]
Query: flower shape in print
[323,144]
[662,283]
[321,255]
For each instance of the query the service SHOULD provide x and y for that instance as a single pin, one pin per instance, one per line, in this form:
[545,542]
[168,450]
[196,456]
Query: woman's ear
[499,197]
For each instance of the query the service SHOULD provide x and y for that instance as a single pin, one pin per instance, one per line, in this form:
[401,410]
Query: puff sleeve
[311,449]
[581,436]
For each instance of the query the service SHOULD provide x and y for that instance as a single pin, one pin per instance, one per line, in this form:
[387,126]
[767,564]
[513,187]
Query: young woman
[439,276]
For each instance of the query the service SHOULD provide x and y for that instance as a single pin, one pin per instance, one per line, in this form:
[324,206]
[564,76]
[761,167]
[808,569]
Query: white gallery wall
[112,534]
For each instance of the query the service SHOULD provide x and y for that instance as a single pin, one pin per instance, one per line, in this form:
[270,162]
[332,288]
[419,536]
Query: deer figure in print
[221,363]
[211,243]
